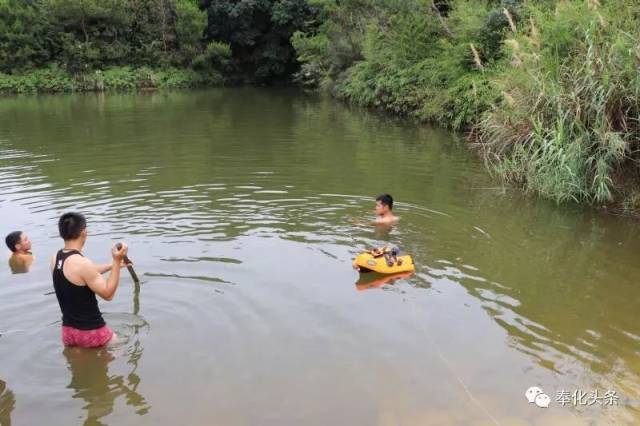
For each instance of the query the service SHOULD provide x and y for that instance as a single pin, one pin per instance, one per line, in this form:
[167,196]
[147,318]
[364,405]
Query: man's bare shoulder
[76,264]
[78,261]
[387,220]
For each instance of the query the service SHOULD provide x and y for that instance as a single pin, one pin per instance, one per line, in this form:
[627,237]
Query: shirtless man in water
[21,256]
[384,210]
[77,280]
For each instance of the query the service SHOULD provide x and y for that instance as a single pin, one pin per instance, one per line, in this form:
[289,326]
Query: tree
[23,35]
[190,26]
[90,31]
[259,33]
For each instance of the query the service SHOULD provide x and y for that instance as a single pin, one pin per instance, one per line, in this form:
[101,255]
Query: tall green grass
[567,125]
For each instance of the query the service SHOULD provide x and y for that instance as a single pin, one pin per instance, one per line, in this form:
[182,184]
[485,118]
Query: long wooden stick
[129,264]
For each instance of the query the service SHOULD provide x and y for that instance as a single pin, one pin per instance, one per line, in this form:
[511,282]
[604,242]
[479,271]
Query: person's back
[77,281]
[78,303]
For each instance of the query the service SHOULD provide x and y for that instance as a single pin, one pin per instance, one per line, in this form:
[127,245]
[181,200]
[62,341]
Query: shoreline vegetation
[49,46]
[547,91]
[102,45]
[55,80]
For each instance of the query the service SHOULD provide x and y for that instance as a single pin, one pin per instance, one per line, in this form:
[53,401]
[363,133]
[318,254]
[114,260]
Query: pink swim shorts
[86,338]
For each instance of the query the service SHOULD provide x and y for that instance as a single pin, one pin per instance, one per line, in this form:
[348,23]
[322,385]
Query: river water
[243,209]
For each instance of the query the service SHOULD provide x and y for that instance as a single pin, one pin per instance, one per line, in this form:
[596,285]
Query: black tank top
[78,304]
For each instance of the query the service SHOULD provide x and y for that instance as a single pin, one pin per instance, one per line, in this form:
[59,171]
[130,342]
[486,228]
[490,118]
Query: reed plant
[567,124]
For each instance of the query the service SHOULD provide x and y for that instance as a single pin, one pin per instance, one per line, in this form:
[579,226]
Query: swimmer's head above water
[21,257]
[384,210]
[18,242]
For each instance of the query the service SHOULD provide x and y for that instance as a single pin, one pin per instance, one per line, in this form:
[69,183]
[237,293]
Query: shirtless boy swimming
[384,210]
[21,256]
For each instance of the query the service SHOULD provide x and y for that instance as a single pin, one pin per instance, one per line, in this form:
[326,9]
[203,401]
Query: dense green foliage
[67,45]
[410,57]
[548,90]
[55,45]
[80,35]
[259,33]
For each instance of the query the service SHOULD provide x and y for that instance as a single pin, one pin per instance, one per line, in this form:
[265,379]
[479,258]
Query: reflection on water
[243,210]
[371,280]
[90,377]
[7,403]
[91,382]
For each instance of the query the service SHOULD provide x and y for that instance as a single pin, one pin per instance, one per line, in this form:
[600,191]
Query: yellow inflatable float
[383,261]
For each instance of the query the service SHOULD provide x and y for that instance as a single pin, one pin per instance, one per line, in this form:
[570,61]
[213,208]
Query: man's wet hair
[386,200]
[71,225]
[12,239]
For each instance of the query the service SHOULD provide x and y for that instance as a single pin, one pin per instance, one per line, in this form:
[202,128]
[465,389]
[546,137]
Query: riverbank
[56,80]
[547,92]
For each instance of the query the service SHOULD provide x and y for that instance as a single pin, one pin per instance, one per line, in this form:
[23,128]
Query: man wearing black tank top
[77,280]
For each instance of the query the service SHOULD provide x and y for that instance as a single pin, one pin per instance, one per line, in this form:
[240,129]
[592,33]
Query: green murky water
[243,209]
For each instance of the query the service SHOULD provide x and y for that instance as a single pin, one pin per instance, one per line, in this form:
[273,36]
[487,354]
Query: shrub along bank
[53,79]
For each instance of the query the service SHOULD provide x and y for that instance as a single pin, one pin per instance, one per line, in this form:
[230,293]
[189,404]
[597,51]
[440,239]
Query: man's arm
[103,268]
[96,282]
[106,267]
